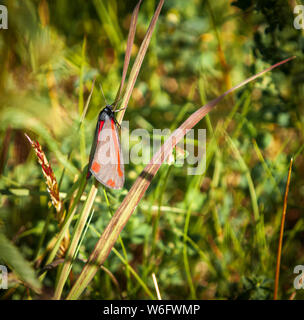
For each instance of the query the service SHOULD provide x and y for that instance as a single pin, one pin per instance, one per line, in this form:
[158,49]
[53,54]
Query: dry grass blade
[130,202]
[138,61]
[114,280]
[277,275]
[130,42]
[156,286]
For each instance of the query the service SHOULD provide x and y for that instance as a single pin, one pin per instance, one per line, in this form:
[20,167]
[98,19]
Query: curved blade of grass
[130,42]
[138,61]
[130,202]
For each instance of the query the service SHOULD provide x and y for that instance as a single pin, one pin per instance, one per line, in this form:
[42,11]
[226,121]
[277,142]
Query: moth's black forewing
[93,148]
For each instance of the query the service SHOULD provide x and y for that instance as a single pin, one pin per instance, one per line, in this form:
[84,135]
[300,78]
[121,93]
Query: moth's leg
[118,125]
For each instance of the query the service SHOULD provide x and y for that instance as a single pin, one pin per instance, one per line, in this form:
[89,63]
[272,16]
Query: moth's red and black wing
[107,162]
[98,128]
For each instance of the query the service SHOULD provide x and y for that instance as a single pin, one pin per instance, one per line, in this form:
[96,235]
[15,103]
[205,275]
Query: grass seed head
[51,182]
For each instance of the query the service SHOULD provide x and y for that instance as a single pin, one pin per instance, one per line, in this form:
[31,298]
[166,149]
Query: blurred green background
[198,234]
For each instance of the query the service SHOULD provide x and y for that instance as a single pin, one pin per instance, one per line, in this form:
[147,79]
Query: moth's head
[108,109]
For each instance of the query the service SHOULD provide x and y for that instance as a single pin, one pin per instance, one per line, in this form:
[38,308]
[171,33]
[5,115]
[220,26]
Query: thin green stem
[80,225]
[185,254]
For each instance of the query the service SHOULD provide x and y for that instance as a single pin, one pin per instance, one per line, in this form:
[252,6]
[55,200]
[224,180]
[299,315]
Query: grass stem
[277,274]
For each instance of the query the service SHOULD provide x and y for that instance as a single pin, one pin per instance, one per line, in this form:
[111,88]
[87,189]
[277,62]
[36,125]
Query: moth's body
[106,113]
[106,162]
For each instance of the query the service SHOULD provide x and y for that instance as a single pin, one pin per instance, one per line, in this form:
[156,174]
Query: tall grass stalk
[277,274]
[81,222]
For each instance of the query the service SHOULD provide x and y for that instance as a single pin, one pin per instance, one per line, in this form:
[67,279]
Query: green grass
[212,236]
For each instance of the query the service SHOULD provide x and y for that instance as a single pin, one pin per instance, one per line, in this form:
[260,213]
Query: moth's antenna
[120,109]
[103,94]
[115,104]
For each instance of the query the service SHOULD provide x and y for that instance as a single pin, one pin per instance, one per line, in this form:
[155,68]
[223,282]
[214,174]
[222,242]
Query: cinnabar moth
[106,161]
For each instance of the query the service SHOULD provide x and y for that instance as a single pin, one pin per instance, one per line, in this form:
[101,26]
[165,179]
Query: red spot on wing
[111,183]
[96,167]
[100,127]
[117,150]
